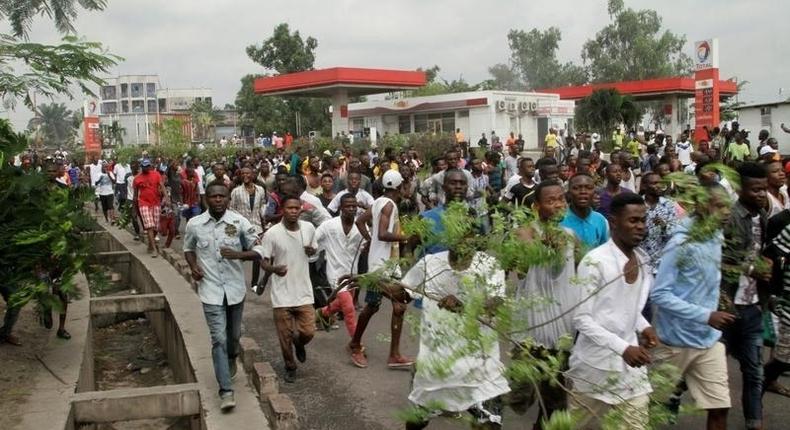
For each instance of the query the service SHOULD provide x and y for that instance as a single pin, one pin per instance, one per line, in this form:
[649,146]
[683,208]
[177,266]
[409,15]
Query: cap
[146,162]
[767,150]
[391,179]
[595,136]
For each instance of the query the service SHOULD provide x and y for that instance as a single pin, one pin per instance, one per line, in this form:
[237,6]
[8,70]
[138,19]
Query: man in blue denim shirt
[686,295]
[220,281]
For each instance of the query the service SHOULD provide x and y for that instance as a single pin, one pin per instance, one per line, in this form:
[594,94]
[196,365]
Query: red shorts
[149,215]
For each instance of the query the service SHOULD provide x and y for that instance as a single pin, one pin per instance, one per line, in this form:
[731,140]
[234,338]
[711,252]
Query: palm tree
[604,109]
[52,124]
[204,119]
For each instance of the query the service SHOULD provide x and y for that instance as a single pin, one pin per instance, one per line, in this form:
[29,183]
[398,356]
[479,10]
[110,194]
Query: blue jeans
[224,324]
[744,340]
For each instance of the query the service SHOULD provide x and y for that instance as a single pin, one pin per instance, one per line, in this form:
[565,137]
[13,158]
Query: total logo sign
[706,52]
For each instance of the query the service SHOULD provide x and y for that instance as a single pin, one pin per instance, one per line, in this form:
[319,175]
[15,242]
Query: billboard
[706,87]
[706,54]
[90,123]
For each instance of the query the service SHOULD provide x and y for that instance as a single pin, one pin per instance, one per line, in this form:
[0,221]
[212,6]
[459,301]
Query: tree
[534,57]
[729,109]
[52,124]
[112,134]
[283,52]
[171,132]
[603,110]
[204,119]
[504,78]
[435,84]
[633,47]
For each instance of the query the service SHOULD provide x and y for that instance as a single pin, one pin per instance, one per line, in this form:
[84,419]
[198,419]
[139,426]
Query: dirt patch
[20,365]
[180,423]
[128,355]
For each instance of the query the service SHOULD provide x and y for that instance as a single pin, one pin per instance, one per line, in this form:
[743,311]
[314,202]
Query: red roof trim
[388,79]
[644,87]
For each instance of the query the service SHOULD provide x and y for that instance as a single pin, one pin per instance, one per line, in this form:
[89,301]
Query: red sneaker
[400,363]
[358,356]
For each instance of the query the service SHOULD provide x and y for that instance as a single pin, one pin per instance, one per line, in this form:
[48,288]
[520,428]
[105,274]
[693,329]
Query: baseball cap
[767,150]
[146,162]
[392,179]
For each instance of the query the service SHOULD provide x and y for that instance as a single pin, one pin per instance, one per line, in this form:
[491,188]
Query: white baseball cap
[392,179]
[595,137]
[767,150]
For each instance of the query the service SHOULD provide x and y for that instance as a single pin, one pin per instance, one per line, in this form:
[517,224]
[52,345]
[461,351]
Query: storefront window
[404,124]
[434,122]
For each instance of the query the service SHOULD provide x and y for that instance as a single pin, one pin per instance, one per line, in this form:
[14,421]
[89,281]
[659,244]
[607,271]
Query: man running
[211,239]
[384,238]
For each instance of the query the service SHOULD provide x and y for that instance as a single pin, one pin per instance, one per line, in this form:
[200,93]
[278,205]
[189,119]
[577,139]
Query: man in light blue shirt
[686,295]
[589,226]
[220,281]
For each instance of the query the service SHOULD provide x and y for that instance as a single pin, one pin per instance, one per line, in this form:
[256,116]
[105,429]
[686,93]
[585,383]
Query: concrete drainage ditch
[136,372]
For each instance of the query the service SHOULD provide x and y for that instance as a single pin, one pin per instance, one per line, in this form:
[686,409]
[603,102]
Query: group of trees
[283,52]
[632,46]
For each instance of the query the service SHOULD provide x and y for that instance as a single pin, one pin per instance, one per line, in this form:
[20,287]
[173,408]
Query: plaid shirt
[240,202]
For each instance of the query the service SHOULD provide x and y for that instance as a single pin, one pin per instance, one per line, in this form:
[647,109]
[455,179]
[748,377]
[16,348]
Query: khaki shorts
[633,413]
[704,370]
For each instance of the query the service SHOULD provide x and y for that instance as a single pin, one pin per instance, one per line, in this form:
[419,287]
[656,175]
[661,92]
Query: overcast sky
[201,43]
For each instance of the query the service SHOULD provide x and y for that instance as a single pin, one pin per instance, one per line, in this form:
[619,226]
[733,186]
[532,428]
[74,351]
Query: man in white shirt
[341,241]
[384,237]
[364,199]
[607,363]
[285,250]
[211,239]
[684,150]
[119,171]
[474,379]
[549,295]
[95,170]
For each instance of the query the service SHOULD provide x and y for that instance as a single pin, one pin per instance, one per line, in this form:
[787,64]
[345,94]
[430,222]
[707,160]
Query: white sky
[201,43]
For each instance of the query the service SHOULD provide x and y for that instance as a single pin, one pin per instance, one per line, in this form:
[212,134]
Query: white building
[768,116]
[137,103]
[529,114]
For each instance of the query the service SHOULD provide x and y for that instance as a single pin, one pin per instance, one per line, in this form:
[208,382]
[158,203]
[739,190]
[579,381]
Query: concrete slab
[137,403]
[135,303]
[187,309]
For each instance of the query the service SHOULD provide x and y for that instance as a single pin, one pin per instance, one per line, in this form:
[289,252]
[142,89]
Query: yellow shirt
[377,170]
[459,137]
[618,139]
[551,140]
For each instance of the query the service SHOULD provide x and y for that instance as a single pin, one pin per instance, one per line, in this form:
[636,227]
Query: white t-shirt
[120,173]
[363,197]
[342,251]
[684,152]
[95,171]
[104,185]
[130,187]
[287,248]
[380,252]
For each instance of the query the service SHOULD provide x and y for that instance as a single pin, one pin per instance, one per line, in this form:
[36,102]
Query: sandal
[778,388]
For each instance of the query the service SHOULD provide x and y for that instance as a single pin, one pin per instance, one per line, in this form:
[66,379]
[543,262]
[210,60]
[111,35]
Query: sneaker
[301,352]
[400,362]
[321,321]
[63,334]
[290,376]
[137,237]
[228,402]
[358,357]
[11,340]
[233,367]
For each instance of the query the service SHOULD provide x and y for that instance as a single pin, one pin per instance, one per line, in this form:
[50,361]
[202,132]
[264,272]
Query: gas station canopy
[327,82]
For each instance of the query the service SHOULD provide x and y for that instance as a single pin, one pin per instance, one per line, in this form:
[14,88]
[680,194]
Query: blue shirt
[592,231]
[222,278]
[437,228]
[687,289]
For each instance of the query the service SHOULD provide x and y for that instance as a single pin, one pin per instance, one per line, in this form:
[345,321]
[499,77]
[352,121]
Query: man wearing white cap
[384,237]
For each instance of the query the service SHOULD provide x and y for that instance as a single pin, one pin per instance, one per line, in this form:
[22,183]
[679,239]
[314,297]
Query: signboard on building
[706,94]
[90,123]
[706,54]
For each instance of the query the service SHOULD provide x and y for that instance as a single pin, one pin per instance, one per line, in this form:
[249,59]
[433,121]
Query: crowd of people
[641,277]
